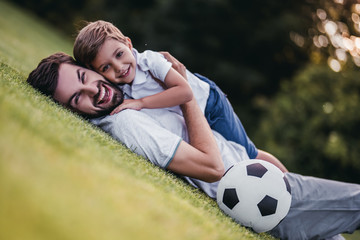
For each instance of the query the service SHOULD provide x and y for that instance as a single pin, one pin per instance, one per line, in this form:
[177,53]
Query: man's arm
[262,155]
[200,158]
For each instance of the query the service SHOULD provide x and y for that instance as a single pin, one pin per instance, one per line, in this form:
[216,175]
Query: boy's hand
[135,104]
[178,66]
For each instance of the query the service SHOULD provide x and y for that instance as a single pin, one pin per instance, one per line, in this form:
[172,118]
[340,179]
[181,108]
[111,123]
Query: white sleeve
[142,135]
[155,63]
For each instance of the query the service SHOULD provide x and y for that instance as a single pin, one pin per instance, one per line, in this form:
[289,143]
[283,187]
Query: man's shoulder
[123,117]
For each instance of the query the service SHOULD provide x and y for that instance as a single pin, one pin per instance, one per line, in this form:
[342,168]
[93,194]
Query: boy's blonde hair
[91,38]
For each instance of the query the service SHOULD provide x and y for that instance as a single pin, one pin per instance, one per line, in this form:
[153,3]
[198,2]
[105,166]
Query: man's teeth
[102,94]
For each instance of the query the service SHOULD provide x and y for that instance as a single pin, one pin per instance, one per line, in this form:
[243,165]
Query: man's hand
[178,66]
[135,104]
[200,158]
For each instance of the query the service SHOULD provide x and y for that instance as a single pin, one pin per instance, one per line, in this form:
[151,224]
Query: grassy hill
[62,178]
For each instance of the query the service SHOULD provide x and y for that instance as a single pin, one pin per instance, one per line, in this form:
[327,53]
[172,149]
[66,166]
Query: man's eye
[83,77]
[119,54]
[77,98]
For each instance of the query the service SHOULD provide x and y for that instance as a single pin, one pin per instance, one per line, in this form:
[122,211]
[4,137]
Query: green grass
[62,178]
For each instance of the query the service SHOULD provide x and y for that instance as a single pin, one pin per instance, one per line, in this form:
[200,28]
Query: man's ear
[129,43]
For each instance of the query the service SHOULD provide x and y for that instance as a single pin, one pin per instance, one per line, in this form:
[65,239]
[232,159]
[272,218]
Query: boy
[149,81]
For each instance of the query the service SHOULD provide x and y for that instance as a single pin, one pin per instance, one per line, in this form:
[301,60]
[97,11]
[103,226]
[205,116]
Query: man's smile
[105,94]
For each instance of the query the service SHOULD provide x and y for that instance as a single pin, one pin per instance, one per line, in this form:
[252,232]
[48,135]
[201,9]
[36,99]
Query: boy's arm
[178,92]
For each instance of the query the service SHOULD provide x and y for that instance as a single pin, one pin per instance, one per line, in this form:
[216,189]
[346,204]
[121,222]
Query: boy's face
[115,61]
[85,91]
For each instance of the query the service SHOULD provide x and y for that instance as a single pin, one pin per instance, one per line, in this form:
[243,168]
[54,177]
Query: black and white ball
[255,193]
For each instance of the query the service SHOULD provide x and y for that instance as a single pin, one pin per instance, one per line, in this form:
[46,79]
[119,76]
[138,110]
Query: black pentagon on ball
[267,206]
[230,198]
[256,170]
[288,188]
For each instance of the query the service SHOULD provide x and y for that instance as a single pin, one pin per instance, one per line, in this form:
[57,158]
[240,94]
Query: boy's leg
[320,209]
[222,118]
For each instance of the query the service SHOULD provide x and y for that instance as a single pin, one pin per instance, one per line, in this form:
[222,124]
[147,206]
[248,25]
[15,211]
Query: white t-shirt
[151,64]
[156,134]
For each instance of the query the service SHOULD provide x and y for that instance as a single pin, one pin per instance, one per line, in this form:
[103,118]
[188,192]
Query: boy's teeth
[125,72]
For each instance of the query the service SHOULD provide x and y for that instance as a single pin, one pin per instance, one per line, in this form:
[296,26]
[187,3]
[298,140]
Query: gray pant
[320,209]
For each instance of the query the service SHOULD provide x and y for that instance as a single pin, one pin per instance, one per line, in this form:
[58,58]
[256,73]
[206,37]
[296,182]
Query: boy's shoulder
[147,54]
[153,61]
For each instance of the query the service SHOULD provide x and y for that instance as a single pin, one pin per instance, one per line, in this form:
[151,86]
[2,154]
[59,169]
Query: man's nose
[90,89]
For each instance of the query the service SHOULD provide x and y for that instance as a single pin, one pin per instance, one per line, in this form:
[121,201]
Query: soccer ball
[255,193]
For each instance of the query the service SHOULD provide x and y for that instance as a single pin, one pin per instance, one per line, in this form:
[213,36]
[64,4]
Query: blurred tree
[313,123]
[242,45]
[60,13]
[332,37]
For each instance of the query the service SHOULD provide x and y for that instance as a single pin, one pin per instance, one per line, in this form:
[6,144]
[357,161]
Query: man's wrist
[142,103]
[189,104]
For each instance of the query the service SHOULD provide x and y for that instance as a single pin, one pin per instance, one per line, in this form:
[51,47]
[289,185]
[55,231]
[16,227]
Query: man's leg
[320,209]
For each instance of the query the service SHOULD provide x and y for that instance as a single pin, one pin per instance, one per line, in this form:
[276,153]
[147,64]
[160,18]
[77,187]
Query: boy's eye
[119,54]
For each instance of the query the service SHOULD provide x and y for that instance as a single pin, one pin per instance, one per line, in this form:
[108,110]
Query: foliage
[244,46]
[312,123]
[332,37]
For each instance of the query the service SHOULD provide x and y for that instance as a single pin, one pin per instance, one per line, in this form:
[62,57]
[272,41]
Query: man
[320,209]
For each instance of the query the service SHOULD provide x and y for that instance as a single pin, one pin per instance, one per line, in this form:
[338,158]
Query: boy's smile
[125,73]
[115,61]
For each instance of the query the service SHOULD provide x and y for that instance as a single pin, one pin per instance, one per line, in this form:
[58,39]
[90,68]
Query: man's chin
[117,99]
[99,113]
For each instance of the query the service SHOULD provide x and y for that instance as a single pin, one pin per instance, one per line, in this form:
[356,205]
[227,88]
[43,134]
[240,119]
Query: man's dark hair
[45,76]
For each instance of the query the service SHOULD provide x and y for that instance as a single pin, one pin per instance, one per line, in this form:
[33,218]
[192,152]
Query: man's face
[85,91]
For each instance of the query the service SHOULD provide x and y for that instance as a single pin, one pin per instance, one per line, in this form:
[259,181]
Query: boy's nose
[118,67]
